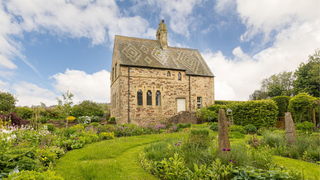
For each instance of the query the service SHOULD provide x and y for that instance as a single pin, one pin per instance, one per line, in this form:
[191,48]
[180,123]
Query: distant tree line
[306,79]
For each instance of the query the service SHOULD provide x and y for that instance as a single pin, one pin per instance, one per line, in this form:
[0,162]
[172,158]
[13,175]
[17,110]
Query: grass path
[111,159]
[310,170]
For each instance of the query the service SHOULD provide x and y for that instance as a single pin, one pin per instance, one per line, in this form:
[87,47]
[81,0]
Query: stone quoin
[151,81]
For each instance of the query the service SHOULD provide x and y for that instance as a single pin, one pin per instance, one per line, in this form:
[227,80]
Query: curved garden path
[110,159]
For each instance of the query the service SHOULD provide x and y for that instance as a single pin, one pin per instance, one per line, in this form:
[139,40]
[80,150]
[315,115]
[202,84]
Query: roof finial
[162,35]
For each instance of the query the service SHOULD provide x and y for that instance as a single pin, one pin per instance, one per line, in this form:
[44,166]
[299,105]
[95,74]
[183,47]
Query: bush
[84,120]
[305,126]
[51,113]
[70,119]
[106,135]
[51,127]
[236,128]
[24,112]
[250,127]
[227,102]
[14,118]
[112,119]
[301,107]
[236,135]
[274,139]
[87,108]
[25,175]
[43,120]
[182,126]
[206,114]
[95,119]
[7,101]
[214,127]
[198,131]
[259,113]
[282,103]
[94,124]
[215,108]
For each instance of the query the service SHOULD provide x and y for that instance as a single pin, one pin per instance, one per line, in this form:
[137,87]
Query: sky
[50,46]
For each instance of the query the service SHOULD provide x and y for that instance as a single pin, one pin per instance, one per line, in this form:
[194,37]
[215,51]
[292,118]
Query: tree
[278,84]
[258,95]
[64,104]
[87,108]
[7,101]
[308,77]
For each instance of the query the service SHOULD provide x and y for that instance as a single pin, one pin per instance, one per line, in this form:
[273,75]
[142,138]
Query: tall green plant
[282,103]
[64,104]
[301,107]
[7,101]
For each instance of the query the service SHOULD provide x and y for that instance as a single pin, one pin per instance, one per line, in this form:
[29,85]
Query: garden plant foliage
[301,107]
[282,103]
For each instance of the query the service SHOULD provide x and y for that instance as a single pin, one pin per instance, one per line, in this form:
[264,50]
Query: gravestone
[223,138]
[290,129]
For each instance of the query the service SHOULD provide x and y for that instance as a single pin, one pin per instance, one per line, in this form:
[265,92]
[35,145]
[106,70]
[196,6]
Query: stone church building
[151,81]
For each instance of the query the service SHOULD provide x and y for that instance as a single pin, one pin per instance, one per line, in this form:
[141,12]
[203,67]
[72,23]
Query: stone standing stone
[223,138]
[290,129]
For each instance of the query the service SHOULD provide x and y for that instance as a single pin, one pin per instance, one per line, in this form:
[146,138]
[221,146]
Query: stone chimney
[162,35]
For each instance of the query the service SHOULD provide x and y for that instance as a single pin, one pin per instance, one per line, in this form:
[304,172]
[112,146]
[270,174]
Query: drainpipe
[189,95]
[128,94]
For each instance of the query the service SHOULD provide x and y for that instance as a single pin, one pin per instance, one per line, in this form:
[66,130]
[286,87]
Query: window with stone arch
[168,74]
[149,98]
[179,76]
[158,98]
[112,76]
[139,97]
[115,70]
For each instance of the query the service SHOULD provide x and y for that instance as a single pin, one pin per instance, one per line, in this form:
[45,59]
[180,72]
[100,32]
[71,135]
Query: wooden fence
[281,123]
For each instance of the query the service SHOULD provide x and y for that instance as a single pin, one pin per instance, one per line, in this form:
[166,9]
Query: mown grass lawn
[111,159]
[118,159]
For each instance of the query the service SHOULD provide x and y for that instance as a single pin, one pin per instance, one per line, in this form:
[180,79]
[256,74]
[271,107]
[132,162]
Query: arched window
[115,70]
[112,76]
[149,98]
[158,98]
[168,74]
[139,96]
[179,76]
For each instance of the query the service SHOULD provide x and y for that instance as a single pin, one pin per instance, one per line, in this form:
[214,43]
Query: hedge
[282,103]
[221,102]
[261,113]
[301,106]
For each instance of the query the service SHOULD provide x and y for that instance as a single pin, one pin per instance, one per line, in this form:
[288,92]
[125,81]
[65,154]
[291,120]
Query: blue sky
[49,47]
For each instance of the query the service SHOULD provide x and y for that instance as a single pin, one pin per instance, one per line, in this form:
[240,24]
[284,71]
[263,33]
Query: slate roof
[148,53]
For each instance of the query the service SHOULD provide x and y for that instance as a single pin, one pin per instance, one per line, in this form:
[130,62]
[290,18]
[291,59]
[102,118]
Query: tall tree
[278,84]
[258,95]
[64,104]
[7,101]
[308,77]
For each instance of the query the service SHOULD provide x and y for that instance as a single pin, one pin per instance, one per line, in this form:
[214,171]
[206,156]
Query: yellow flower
[42,159]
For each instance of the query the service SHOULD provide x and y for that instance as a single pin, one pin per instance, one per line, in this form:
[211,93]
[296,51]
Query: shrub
[94,124]
[261,113]
[106,135]
[95,119]
[70,119]
[282,103]
[215,108]
[112,119]
[51,113]
[51,127]
[273,139]
[43,120]
[87,108]
[227,102]
[202,131]
[305,126]
[24,175]
[236,128]
[301,106]
[214,127]
[198,138]
[7,101]
[14,118]
[57,150]
[24,112]
[182,126]
[250,127]
[84,120]
[206,114]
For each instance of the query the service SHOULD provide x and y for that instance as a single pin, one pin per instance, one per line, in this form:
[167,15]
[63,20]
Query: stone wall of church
[153,80]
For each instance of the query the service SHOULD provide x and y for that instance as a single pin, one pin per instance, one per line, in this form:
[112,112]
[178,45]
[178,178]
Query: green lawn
[311,171]
[118,159]
[111,159]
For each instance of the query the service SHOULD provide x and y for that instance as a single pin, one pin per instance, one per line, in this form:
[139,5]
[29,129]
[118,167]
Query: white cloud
[84,86]
[98,20]
[4,86]
[30,94]
[268,16]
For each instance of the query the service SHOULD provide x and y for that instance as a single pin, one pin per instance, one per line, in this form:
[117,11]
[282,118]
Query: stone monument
[223,138]
[290,129]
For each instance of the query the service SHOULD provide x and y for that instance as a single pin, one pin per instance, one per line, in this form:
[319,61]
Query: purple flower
[175,143]
[314,127]
[292,140]
[224,149]
[230,160]
[231,156]
[179,141]
[234,161]
[304,142]
[228,149]
[178,144]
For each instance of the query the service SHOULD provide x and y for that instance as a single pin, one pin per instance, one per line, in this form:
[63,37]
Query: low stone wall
[183,117]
